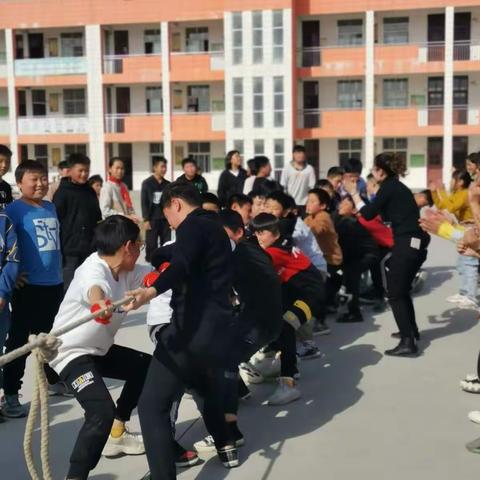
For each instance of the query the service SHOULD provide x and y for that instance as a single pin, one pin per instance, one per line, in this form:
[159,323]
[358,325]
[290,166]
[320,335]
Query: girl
[232,178]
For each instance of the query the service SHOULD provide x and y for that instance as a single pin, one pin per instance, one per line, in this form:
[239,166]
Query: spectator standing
[191,175]
[96,182]
[5,189]
[232,178]
[62,173]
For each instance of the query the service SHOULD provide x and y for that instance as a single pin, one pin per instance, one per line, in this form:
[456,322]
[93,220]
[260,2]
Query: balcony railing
[31,67]
[3,64]
[318,118]
[333,56]
[217,118]
[49,125]
[117,64]
[4,126]
[217,57]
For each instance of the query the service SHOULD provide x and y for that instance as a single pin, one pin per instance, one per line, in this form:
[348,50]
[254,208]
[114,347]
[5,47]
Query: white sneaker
[127,444]
[270,367]
[474,416]
[249,373]
[467,303]
[284,393]
[457,298]
[205,445]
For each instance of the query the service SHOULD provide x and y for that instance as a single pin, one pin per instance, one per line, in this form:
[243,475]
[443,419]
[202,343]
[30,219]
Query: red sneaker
[187,458]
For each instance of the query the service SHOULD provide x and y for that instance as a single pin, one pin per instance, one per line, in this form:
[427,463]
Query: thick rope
[45,347]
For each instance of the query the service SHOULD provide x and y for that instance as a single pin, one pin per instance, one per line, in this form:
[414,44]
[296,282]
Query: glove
[150,278]
[105,318]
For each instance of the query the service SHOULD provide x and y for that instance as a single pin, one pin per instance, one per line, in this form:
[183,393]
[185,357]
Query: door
[435,100]
[460,100]
[22,103]
[311,115]
[312,148]
[52,47]
[123,99]
[35,45]
[462,33]
[125,153]
[120,40]
[460,152]
[19,46]
[179,155]
[311,43]
[434,159]
[436,37]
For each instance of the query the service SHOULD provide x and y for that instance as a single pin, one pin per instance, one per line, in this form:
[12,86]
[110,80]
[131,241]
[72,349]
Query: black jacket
[229,184]
[198,182]
[78,212]
[150,198]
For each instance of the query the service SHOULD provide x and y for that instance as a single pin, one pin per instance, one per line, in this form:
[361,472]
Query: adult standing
[156,226]
[191,175]
[298,177]
[396,205]
[232,178]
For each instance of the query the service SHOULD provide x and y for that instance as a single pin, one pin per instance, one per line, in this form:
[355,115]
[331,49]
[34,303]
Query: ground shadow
[436,277]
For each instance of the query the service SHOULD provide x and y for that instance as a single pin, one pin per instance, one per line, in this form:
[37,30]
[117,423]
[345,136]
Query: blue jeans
[4,328]
[467,268]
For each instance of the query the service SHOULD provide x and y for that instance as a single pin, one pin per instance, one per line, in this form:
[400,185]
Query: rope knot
[49,345]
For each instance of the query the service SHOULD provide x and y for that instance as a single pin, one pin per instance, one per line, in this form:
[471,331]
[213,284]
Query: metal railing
[51,66]
[115,122]
[51,124]
[113,64]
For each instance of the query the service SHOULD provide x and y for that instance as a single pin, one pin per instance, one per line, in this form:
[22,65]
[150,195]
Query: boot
[406,348]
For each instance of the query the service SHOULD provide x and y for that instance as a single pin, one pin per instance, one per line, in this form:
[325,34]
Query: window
[279,153]
[395,30]
[237,38]
[258,147]
[39,103]
[75,148]
[74,102]
[395,92]
[349,149]
[197,39]
[156,151]
[22,103]
[152,41]
[350,32]
[41,154]
[349,94]
[277,36]
[200,152]
[72,44]
[258,102]
[198,98]
[257,40]
[278,102]
[396,145]
[23,153]
[238,145]
[153,97]
[237,102]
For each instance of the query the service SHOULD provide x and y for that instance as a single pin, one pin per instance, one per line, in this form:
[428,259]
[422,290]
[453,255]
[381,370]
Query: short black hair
[77,159]
[324,183]
[463,176]
[352,165]
[428,196]
[157,160]
[113,233]
[281,198]
[261,161]
[238,198]
[29,166]
[189,160]
[472,157]
[182,190]
[299,148]
[209,197]
[335,172]
[370,177]
[265,221]
[64,164]
[231,219]
[252,166]
[265,188]
[322,195]
[115,159]
[5,152]
[95,179]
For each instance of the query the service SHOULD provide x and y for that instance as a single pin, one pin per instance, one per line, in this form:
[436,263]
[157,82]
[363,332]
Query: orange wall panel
[401,60]
[336,124]
[51,81]
[194,127]
[139,129]
[402,122]
[3,82]
[337,62]
[4,139]
[53,138]
[190,68]
[141,69]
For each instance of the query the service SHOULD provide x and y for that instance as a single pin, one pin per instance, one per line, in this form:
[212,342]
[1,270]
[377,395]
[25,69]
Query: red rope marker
[150,278]
[105,318]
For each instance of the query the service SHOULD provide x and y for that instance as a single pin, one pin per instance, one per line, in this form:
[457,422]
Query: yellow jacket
[456,203]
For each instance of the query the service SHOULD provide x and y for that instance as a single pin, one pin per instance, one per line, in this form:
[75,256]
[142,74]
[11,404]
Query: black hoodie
[78,212]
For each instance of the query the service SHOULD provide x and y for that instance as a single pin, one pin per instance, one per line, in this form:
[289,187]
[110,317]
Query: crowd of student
[238,284]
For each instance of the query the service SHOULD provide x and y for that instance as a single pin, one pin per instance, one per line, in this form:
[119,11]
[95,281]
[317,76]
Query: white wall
[48,91]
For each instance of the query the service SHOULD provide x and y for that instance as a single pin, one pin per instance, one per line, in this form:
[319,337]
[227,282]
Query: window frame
[79,105]
[149,99]
[258,96]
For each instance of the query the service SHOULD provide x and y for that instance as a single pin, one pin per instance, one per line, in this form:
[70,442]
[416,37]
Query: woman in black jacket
[232,178]
[396,205]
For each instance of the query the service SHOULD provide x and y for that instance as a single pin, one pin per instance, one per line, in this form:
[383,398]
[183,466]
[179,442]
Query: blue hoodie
[9,259]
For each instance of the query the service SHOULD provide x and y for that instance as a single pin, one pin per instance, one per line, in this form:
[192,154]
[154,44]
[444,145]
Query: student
[302,297]
[210,202]
[372,187]
[472,165]
[96,182]
[196,345]
[352,169]
[62,173]
[5,188]
[335,177]
[396,204]
[78,213]
[191,175]
[251,176]
[298,177]
[89,353]
[232,179]
[241,204]
[424,199]
[156,227]
[35,305]
[264,170]
[114,197]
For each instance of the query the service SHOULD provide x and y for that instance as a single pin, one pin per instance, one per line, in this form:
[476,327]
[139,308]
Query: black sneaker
[350,317]
[185,458]
[228,456]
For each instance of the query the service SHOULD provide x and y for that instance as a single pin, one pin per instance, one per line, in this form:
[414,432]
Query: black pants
[333,283]
[85,374]
[377,273]
[156,236]
[164,383]
[403,266]
[70,264]
[287,344]
[33,311]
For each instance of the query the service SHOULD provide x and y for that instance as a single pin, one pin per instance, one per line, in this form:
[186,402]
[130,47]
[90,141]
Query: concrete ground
[362,415]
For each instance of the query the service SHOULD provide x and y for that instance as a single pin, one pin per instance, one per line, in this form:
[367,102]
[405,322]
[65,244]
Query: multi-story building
[142,78]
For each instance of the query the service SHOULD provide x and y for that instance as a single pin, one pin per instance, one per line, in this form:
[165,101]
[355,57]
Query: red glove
[150,278]
[105,318]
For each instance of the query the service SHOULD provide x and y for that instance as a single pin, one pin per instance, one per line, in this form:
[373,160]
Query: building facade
[142,78]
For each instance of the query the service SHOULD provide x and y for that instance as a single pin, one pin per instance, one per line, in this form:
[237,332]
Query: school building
[143,78]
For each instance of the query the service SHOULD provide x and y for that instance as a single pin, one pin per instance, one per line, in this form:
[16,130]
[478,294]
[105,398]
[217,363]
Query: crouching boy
[88,353]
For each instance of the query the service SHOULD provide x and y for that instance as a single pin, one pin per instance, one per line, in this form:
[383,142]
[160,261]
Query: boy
[62,173]
[352,172]
[372,187]
[5,189]
[88,353]
[156,227]
[241,204]
[302,297]
[78,212]
[298,177]
[191,175]
[264,170]
[210,202]
[35,305]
